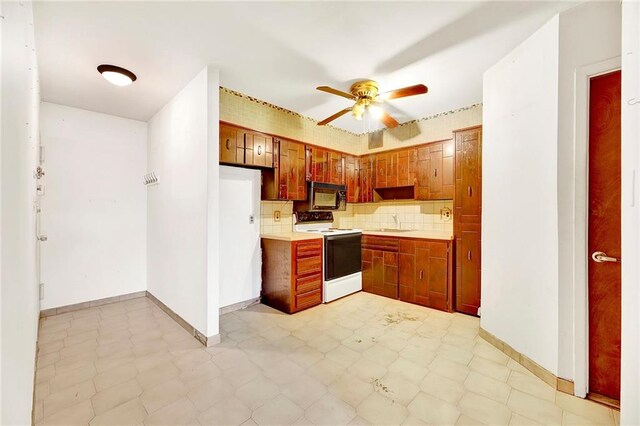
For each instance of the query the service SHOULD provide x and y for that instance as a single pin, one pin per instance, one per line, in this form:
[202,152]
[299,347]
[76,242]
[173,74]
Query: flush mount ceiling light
[117,75]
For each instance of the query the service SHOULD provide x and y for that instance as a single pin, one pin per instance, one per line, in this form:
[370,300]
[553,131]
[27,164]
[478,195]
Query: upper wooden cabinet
[291,170]
[435,171]
[244,147]
[318,160]
[352,180]
[366,178]
[336,168]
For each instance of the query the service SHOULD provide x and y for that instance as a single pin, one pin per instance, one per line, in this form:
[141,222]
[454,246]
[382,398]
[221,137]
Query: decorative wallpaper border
[298,115]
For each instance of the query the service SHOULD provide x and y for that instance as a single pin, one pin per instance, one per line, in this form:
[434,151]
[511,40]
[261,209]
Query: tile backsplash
[421,215]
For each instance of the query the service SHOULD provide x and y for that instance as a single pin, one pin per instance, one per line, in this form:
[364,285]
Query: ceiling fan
[366,97]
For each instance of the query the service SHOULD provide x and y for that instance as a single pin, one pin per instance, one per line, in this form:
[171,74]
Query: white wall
[182,210]
[95,205]
[18,154]
[578,48]
[519,206]
[630,392]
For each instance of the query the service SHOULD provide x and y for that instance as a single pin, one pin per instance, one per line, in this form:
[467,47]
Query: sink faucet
[397,221]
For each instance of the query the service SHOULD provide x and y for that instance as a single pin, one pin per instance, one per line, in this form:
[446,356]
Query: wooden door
[422,173]
[335,168]
[380,171]
[228,150]
[604,235]
[392,169]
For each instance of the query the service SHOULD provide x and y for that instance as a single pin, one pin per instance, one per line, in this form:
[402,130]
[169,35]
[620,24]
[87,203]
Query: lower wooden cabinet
[291,274]
[414,270]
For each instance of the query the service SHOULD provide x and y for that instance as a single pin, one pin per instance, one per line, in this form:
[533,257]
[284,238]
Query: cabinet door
[448,170]
[284,170]
[407,271]
[228,149]
[422,172]
[258,149]
[438,272]
[435,170]
[300,170]
[351,178]
[392,169]
[335,168]
[468,176]
[390,262]
[413,166]
[320,165]
[422,273]
[468,269]
[381,171]
[366,168]
[403,168]
[292,170]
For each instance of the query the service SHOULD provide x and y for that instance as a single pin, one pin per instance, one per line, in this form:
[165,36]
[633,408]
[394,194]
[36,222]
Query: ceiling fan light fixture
[117,75]
[358,111]
[375,111]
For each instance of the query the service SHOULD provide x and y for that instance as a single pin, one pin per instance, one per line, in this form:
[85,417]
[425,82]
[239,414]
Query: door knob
[42,238]
[602,257]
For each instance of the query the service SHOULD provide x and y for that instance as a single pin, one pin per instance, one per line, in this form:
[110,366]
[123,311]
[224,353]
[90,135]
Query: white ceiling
[278,51]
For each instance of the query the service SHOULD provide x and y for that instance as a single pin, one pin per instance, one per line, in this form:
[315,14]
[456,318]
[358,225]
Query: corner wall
[95,205]
[19,304]
[520,265]
[182,223]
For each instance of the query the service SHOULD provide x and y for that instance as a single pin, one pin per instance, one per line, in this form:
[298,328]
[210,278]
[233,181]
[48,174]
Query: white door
[240,255]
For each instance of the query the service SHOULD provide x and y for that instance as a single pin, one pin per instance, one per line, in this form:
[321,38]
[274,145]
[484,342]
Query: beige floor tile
[343,355]
[45,348]
[323,343]
[228,411]
[442,388]
[326,371]
[243,373]
[380,355]
[181,411]
[115,376]
[115,395]
[397,388]
[358,343]
[304,390]
[191,359]
[283,372]
[486,386]
[532,385]
[258,391]
[455,354]
[489,368]
[484,410]
[131,412]
[518,420]
[278,411]
[351,389]
[41,391]
[536,409]
[418,355]
[44,374]
[467,421]
[449,369]
[408,369]
[48,359]
[197,375]
[71,378]
[378,409]
[306,356]
[330,410]
[79,414]
[157,375]
[208,393]
[64,398]
[490,352]
[584,408]
[570,419]
[367,371]
[432,410]
[163,394]
[105,364]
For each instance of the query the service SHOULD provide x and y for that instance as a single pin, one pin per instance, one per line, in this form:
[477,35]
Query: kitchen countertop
[431,235]
[292,236]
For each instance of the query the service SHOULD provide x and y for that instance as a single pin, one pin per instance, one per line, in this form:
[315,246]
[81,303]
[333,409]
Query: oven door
[343,255]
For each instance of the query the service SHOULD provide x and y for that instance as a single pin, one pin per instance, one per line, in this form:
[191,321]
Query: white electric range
[342,254]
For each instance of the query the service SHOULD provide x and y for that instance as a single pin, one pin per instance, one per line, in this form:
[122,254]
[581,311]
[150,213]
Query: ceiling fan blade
[334,116]
[336,92]
[388,120]
[418,89]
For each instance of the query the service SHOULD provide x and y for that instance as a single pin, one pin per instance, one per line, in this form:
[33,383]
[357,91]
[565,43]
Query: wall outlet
[276,216]
[445,213]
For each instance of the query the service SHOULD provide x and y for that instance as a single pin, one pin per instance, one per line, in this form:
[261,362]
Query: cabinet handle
[468,254]
[435,173]
[293,174]
[469,191]
[228,144]
[259,149]
[421,274]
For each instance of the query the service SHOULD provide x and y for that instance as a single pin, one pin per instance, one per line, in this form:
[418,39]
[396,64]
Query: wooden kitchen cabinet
[392,169]
[244,147]
[366,172]
[291,170]
[380,265]
[336,168]
[467,218]
[414,270]
[319,164]
[380,171]
[435,174]
[352,180]
[291,274]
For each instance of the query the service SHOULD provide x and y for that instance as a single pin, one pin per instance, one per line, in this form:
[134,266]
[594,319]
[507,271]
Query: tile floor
[363,359]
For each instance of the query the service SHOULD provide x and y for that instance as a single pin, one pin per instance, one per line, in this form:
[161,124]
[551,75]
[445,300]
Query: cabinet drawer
[306,300]
[308,283]
[307,249]
[309,265]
